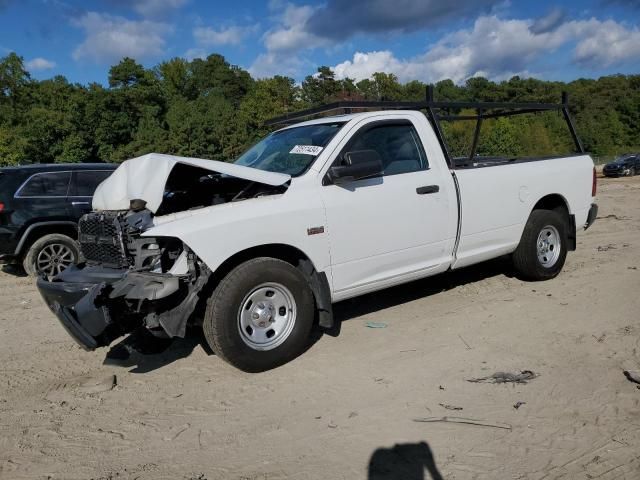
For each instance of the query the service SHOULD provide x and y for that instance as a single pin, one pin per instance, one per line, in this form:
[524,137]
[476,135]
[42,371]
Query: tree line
[209,108]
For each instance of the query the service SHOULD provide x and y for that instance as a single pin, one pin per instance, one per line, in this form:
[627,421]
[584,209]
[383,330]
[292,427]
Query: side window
[88,181]
[397,144]
[55,184]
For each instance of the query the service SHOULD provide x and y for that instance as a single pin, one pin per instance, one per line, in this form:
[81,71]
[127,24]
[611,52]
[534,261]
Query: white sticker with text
[306,150]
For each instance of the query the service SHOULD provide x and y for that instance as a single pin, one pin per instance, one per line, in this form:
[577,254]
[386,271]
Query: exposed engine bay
[126,280]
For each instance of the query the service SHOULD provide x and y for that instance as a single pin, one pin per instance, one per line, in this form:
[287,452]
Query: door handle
[428,189]
[79,203]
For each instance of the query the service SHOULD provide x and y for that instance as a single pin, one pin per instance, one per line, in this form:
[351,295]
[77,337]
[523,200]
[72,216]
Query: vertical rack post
[476,135]
[435,123]
[569,120]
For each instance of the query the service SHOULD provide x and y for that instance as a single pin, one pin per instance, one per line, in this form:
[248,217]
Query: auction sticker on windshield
[306,150]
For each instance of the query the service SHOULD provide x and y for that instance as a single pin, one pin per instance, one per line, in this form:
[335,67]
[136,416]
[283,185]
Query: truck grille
[100,239]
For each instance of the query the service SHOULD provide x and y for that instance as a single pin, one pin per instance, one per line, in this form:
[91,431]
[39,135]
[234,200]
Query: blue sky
[426,40]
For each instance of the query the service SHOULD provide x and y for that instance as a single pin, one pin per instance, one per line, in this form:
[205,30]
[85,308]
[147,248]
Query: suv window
[398,145]
[54,184]
[86,182]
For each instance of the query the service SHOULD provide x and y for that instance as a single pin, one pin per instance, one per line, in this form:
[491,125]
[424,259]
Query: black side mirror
[356,165]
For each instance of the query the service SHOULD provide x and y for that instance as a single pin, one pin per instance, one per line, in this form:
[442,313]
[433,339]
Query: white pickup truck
[317,212]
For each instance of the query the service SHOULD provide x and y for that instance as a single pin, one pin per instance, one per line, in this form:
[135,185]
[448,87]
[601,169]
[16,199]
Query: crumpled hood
[145,178]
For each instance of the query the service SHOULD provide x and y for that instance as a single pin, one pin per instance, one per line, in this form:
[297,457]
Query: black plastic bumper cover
[74,305]
[591,217]
[82,300]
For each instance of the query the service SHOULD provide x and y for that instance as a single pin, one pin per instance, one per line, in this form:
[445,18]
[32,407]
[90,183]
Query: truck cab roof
[348,117]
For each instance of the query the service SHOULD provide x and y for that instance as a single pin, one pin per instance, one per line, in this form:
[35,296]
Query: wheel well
[558,204]
[318,281]
[39,231]
[283,252]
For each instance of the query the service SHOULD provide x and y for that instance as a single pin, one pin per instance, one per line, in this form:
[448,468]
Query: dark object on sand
[467,421]
[506,377]
[632,376]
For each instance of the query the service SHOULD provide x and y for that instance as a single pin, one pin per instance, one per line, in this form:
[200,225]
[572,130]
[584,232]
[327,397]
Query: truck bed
[481,162]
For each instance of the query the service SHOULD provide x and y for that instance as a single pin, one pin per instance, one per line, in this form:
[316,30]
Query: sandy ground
[337,411]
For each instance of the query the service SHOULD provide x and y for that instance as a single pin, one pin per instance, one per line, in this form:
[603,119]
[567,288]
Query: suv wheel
[260,315]
[50,255]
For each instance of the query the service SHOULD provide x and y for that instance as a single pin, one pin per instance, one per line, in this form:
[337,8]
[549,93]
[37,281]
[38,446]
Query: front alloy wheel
[50,255]
[54,258]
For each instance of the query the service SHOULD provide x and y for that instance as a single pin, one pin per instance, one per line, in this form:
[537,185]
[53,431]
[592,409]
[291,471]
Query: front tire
[260,315]
[50,255]
[542,250]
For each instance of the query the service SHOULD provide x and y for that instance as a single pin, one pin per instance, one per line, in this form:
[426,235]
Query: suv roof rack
[434,112]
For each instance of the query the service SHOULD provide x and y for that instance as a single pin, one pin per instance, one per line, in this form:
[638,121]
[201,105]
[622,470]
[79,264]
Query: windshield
[623,158]
[290,151]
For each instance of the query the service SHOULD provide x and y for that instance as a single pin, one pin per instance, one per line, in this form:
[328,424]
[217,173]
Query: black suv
[40,205]
[625,165]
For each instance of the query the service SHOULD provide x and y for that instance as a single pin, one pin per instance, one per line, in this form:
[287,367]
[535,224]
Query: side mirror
[356,165]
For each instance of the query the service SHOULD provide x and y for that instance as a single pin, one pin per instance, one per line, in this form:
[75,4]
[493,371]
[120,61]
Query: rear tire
[542,250]
[50,254]
[260,315]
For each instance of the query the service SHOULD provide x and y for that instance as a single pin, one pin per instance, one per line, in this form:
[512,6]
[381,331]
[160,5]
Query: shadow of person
[407,461]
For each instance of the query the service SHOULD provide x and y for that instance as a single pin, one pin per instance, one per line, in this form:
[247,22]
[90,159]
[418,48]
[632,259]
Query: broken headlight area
[126,281]
[113,239]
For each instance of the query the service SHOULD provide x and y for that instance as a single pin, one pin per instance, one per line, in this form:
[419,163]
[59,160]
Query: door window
[397,144]
[55,184]
[87,181]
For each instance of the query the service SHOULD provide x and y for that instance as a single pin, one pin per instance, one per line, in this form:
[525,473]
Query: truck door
[392,228]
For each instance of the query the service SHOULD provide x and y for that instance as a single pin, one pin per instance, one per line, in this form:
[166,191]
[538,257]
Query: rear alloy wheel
[260,315]
[50,255]
[542,250]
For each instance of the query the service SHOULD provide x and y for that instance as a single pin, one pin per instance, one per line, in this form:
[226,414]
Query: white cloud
[284,40]
[39,63]
[270,64]
[499,49]
[364,65]
[109,38]
[291,34]
[156,8]
[607,44]
[232,35]
[194,53]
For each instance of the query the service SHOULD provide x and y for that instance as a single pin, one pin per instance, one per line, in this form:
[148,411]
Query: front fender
[218,232]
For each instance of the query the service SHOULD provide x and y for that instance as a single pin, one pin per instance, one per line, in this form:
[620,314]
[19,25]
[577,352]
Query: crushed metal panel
[145,178]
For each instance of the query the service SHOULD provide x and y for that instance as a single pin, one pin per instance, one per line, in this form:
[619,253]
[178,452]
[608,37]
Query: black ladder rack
[434,111]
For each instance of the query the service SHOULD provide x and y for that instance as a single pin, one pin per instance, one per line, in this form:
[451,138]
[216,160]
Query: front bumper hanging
[96,305]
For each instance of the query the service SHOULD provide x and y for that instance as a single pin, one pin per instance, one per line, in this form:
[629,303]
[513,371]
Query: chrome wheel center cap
[262,314]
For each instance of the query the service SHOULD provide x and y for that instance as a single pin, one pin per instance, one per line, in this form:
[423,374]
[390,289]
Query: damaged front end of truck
[128,280]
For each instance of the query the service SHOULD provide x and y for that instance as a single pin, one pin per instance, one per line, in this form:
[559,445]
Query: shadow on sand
[408,292]
[13,269]
[406,461]
[146,353]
